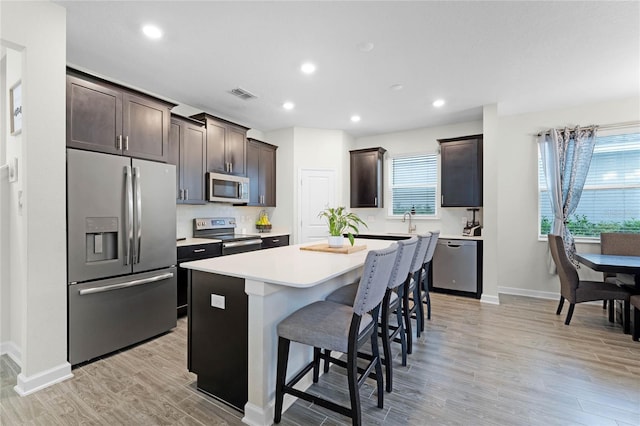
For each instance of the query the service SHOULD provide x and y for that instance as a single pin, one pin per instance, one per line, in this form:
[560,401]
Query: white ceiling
[524,56]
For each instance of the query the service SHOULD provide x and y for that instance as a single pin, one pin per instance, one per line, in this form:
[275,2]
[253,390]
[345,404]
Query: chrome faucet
[412,228]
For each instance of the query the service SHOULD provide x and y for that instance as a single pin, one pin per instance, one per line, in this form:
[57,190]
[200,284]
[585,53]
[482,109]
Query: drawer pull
[199,250]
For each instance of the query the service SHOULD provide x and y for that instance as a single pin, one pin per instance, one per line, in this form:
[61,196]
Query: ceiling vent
[242,94]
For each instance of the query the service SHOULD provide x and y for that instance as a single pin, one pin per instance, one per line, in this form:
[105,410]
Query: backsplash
[245,216]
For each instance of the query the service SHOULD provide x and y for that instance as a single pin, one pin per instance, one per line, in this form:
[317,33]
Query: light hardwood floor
[477,364]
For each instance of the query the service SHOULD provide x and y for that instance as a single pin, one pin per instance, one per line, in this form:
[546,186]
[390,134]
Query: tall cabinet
[187,150]
[461,171]
[367,177]
[226,145]
[105,117]
[261,171]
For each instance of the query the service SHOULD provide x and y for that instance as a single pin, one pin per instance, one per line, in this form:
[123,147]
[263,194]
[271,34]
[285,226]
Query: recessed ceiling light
[438,103]
[308,68]
[152,32]
[355,118]
[397,87]
[365,46]
[288,105]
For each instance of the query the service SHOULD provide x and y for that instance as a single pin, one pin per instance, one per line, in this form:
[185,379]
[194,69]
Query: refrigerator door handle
[129,213]
[133,283]
[138,223]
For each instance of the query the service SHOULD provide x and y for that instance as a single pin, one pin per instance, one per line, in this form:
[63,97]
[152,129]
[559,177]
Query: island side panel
[218,345]
[268,305]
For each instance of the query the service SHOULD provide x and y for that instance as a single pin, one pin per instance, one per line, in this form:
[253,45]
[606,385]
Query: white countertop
[273,233]
[288,265]
[194,241]
[441,236]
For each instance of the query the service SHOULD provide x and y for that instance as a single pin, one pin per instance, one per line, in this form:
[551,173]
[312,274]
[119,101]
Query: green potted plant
[341,221]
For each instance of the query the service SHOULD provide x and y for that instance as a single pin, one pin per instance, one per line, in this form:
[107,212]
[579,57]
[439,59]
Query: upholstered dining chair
[635,302]
[341,328]
[618,243]
[390,304]
[575,290]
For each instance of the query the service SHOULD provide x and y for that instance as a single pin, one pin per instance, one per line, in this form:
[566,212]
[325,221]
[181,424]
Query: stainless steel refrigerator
[121,246]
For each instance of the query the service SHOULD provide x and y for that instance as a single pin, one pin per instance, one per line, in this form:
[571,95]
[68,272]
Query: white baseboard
[13,351]
[529,293]
[493,300]
[36,382]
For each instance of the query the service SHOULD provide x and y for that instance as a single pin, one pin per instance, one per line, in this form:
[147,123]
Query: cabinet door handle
[230,167]
[180,196]
[375,201]
[275,241]
[442,199]
[186,194]
[198,250]
[126,143]
[119,143]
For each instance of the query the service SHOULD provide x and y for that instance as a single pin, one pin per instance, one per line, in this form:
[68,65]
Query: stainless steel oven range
[223,228]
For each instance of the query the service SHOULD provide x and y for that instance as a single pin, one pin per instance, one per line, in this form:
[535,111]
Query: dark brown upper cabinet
[261,171]
[187,150]
[105,117]
[461,171]
[226,145]
[367,177]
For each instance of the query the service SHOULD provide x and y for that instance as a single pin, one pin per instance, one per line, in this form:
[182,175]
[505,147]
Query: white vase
[336,241]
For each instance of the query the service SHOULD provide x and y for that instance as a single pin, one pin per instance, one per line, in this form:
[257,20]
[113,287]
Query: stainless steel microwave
[227,188]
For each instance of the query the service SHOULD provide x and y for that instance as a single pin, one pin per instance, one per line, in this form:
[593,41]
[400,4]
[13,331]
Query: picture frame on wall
[15,105]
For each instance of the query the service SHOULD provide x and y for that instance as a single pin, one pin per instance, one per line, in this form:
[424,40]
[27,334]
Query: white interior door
[316,192]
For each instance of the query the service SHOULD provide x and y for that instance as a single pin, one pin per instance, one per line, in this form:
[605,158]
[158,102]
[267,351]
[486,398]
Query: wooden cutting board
[345,249]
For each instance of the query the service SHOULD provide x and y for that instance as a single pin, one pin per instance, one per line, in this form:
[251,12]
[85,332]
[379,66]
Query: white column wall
[490,213]
[39,30]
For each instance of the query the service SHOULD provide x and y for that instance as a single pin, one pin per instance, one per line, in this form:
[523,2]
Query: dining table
[613,263]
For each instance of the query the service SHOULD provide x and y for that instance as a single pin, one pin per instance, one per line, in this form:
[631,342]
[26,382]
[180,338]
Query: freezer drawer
[110,314]
[457,267]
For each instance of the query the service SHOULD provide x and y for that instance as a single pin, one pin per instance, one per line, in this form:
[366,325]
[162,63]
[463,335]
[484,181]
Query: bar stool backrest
[432,246]
[406,252]
[421,251]
[375,278]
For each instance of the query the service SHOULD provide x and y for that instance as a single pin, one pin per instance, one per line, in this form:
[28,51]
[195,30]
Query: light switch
[217,301]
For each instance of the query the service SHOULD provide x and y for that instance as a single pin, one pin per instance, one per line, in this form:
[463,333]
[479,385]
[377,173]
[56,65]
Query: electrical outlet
[217,301]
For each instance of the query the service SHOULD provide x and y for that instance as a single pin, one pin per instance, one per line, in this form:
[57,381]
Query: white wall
[38,29]
[522,259]
[423,140]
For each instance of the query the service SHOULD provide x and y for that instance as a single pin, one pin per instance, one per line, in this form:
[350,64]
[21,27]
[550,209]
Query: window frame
[390,186]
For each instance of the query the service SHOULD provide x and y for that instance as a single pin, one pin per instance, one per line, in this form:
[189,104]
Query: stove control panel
[203,223]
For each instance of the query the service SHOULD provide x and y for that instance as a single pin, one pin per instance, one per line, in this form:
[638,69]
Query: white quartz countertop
[274,233]
[288,265]
[441,236]
[194,241]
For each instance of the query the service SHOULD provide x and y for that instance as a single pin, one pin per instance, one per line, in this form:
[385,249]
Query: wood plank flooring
[477,364]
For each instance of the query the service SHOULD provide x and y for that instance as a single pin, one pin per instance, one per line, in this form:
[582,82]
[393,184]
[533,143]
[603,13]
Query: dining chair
[618,243]
[340,328]
[577,291]
[635,302]
[390,304]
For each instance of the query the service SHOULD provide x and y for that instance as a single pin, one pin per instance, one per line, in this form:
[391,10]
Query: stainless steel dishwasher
[457,267]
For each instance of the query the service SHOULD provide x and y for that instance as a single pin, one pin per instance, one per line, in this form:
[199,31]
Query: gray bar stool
[342,328]
[426,277]
[391,303]
[411,288]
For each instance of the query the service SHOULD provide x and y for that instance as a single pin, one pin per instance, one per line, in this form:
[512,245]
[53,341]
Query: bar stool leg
[407,316]
[281,376]
[378,366]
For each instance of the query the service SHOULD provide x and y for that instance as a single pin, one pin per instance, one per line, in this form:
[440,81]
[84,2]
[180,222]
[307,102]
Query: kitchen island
[235,305]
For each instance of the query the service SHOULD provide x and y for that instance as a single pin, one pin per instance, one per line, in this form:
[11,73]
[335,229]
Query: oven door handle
[232,244]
